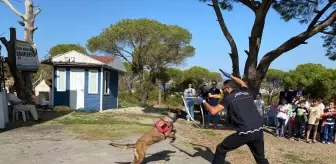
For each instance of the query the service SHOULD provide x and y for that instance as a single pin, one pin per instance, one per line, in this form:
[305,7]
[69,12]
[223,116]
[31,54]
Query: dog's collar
[172,118]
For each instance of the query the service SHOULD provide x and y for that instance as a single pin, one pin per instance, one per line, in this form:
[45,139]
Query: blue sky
[75,21]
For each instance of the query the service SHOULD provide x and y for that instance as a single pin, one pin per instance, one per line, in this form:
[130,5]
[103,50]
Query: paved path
[51,144]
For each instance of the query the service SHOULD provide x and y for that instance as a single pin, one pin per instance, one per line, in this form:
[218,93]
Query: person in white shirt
[189,96]
[282,118]
[259,104]
[19,104]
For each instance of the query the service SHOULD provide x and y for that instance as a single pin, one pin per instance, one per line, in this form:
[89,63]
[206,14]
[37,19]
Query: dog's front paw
[173,140]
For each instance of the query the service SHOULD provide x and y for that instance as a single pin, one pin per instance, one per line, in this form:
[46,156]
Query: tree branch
[251,4]
[126,51]
[329,32]
[319,15]
[247,53]
[35,28]
[13,9]
[256,36]
[229,38]
[37,12]
[4,41]
[293,43]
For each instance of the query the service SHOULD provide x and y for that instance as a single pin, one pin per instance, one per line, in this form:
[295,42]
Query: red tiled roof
[104,59]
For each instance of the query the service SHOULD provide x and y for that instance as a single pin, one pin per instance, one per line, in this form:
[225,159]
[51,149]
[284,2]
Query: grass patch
[209,133]
[102,126]
[291,157]
[97,121]
[106,132]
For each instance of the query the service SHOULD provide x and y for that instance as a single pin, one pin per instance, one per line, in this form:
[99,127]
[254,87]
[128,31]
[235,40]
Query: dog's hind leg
[139,153]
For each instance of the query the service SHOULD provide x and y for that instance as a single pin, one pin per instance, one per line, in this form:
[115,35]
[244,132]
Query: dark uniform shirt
[213,101]
[204,94]
[329,119]
[242,111]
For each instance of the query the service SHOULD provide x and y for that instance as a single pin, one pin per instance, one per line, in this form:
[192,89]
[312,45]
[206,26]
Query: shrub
[62,109]
[126,99]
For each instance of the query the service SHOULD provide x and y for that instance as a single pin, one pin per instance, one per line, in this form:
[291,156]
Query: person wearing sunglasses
[239,102]
[214,95]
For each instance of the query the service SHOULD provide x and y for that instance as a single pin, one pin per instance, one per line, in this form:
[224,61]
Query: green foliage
[63,48]
[176,77]
[274,75]
[174,100]
[315,13]
[7,72]
[330,43]
[273,84]
[148,45]
[198,76]
[314,78]
[125,100]
[128,67]
[302,10]
[45,70]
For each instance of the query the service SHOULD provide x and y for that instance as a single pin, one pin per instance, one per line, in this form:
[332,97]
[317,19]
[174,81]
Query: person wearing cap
[239,103]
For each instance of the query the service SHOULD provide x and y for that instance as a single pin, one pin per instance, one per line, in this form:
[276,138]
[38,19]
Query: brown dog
[163,129]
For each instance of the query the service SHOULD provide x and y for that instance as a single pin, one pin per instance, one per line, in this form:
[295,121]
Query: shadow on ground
[43,115]
[270,130]
[159,156]
[200,151]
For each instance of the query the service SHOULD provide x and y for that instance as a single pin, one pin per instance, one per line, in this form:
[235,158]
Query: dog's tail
[123,146]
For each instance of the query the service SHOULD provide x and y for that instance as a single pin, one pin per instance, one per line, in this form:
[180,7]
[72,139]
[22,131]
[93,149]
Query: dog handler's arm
[235,79]
[213,109]
[239,81]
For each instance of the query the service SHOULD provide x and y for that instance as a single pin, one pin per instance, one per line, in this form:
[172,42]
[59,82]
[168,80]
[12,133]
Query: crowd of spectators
[299,118]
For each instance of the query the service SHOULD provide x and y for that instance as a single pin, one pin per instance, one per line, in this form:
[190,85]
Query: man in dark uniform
[214,95]
[240,107]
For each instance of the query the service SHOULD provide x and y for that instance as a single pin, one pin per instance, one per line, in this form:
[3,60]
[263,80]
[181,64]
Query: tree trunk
[253,80]
[159,96]
[23,80]
[29,22]
[144,95]
[254,72]
[164,93]
[28,37]
[144,90]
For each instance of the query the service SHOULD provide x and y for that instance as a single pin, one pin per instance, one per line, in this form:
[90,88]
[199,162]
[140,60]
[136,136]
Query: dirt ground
[83,139]
[53,145]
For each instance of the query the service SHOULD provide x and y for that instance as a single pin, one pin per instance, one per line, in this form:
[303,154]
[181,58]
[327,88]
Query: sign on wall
[26,56]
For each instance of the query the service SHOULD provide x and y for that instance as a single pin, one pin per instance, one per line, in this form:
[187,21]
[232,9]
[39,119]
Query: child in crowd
[282,118]
[290,122]
[315,113]
[328,123]
[300,118]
